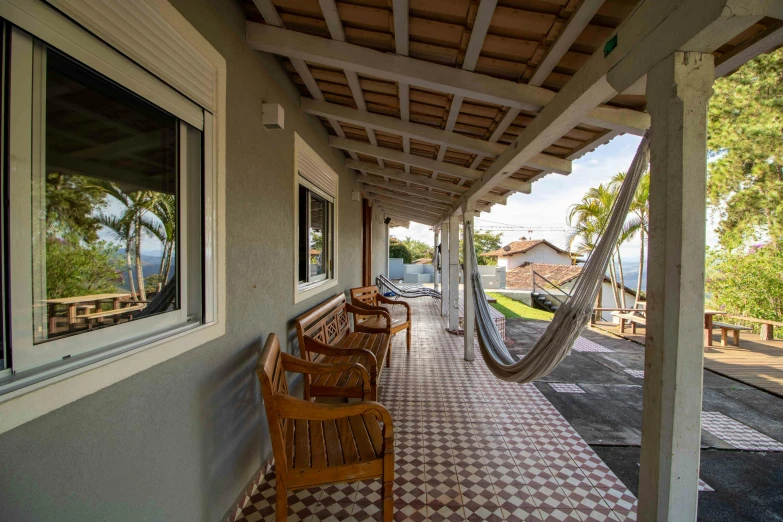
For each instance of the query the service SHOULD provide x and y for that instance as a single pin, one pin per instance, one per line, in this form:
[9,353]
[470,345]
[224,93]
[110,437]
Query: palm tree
[137,204]
[121,230]
[588,219]
[639,221]
[164,208]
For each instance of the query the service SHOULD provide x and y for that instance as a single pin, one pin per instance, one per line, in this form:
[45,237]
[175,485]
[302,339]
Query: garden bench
[325,336]
[370,297]
[114,314]
[767,326]
[635,316]
[724,329]
[318,444]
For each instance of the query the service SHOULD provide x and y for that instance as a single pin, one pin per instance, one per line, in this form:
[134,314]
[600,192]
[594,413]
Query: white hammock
[571,317]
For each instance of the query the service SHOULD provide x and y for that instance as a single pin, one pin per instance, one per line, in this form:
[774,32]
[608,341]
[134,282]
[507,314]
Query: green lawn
[514,309]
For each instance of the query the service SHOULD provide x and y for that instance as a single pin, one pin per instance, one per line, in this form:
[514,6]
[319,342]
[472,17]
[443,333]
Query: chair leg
[724,337]
[736,338]
[388,353]
[388,501]
[408,338]
[281,508]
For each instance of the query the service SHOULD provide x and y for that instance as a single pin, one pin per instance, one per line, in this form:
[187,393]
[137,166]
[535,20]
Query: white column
[434,252]
[454,272]
[467,298]
[444,266]
[678,89]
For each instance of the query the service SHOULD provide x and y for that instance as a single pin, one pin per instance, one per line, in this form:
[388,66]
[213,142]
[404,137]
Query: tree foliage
[483,242]
[399,250]
[74,268]
[71,202]
[746,283]
[745,187]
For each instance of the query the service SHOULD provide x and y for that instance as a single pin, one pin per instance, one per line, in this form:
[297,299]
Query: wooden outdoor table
[708,315]
[73,303]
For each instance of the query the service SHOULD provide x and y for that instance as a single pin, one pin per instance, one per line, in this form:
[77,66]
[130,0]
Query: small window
[315,236]
[316,253]
[105,211]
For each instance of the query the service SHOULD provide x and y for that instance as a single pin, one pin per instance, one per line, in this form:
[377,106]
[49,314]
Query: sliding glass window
[105,225]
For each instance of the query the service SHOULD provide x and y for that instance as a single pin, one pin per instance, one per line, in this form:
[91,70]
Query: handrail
[548,281]
[551,295]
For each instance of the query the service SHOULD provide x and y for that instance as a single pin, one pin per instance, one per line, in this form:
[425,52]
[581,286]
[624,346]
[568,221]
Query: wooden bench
[767,327]
[636,316]
[325,336]
[318,444]
[724,330]
[114,314]
[371,298]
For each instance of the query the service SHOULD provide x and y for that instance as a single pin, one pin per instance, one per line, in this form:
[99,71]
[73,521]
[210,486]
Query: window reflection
[105,206]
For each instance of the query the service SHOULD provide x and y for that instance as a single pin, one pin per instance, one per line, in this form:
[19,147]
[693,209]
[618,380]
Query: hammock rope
[571,317]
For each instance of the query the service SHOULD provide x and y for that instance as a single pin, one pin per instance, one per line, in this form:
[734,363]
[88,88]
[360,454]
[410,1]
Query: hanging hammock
[571,317]
[406,291]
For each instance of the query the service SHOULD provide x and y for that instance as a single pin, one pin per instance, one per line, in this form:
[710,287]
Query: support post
[467,300]
[454,272]
[444,267]
[678,89]
[434,257]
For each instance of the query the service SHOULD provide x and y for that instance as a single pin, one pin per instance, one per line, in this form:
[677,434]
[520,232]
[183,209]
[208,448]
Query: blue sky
[547,204]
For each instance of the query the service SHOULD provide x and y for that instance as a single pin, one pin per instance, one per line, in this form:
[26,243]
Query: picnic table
[86,303]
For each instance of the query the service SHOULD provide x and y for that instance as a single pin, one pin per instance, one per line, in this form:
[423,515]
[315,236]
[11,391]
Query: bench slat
[730,326]
[317,444]
[333,454]
[362,438]
[350,454]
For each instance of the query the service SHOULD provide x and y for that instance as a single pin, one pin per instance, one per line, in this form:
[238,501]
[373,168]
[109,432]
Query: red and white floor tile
[468,447]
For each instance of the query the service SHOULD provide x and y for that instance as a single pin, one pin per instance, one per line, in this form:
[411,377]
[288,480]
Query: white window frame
[28,397]
[306,291]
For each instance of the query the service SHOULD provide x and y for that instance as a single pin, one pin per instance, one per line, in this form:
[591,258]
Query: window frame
[24,397]
[303,291]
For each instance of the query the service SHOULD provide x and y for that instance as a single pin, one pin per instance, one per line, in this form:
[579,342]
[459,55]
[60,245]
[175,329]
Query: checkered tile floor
[736,433]
[566,388]
[586,345]
[468,447]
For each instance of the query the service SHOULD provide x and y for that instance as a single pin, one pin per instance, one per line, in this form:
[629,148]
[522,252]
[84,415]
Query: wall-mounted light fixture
[273,116]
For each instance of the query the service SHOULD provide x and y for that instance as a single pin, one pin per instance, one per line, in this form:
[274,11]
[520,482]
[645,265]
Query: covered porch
[468,447]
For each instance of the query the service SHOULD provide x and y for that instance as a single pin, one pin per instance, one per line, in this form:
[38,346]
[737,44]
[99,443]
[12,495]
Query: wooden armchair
[317,444]
[371,299]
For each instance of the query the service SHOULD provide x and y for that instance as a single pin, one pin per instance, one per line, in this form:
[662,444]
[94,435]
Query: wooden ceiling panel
[500,68]
[433,53]
[301,7]
[521,24]
[434,32]
[305,24]
[511,49]
[363,17]
[452,11]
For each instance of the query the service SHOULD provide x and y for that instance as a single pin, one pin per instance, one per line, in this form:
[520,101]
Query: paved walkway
[756,362]
[468,447]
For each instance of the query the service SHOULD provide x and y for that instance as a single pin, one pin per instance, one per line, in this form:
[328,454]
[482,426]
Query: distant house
[525,257]
[517,253]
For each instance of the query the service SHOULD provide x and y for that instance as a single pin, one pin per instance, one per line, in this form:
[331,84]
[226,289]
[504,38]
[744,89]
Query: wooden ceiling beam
[420,161]
[434,196]
[651,32]
[421,73]
[335,25]
[571,31]
[430,183]
[433,206]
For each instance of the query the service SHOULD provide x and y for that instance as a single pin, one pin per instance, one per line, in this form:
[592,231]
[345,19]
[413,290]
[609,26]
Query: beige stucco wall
[181,440]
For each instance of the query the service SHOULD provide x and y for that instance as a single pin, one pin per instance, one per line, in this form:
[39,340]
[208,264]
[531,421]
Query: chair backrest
[328,323]
[271,376]
[365,295]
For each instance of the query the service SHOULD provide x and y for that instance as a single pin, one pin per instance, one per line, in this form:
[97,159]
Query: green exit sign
[610,45]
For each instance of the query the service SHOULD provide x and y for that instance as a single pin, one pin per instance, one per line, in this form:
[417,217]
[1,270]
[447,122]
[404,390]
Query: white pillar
[467,299]
[444,267]
[454,272]
[678,90]
[434,255]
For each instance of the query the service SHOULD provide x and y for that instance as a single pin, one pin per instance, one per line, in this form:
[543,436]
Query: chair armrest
[292,408]
[311,345]
[298,365]
[366,310]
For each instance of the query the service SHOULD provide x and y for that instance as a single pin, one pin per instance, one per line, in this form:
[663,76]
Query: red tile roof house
[527,257]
